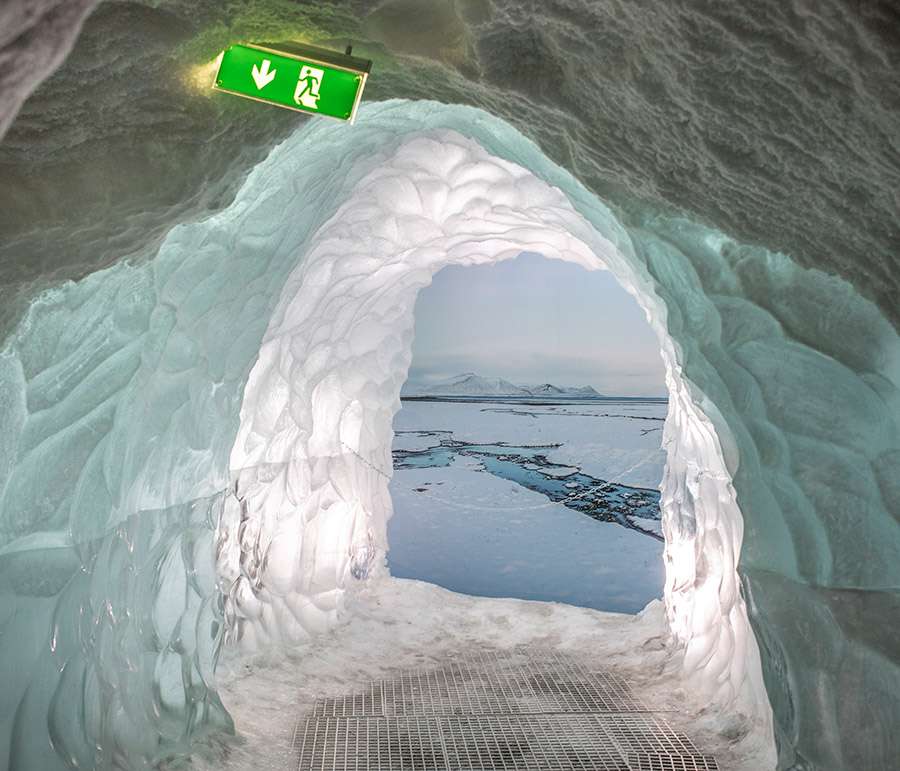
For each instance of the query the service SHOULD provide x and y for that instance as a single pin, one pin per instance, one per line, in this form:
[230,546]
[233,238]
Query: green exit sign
[298,77]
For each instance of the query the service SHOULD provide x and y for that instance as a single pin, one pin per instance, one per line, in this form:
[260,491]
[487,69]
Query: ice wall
[109,645]
[313,453]
[312,457]
[707,108]
[256,360]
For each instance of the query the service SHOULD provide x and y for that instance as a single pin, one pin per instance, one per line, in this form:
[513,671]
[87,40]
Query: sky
[533,320]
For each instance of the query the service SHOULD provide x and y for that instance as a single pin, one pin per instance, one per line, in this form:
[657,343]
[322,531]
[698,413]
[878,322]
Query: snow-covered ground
[473,532]
[395,624]
[616,441]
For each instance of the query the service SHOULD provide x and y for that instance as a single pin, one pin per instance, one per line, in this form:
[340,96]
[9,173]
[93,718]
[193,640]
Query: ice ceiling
[187,432]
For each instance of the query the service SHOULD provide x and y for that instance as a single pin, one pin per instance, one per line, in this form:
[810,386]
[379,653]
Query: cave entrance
[306,530]
[527,452]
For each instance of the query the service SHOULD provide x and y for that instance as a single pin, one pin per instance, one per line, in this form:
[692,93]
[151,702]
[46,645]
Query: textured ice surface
[774,121]
[263,349]
[317,408]
[110,642]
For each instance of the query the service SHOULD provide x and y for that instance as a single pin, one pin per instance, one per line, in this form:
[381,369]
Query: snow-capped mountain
[472,384]
[545,389]
[549,389]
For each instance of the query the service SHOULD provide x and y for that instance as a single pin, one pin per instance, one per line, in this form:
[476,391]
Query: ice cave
[206,319]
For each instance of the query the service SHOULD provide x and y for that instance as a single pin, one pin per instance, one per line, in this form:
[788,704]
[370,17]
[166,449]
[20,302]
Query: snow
[605,440]
[653,525]
[401,624]
[471,532]
[311,460]
[562,471]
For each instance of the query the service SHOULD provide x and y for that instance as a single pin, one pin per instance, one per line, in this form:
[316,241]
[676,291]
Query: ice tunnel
[195,444]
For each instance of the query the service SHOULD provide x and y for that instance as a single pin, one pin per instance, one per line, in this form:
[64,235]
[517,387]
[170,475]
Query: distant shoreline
[537,401]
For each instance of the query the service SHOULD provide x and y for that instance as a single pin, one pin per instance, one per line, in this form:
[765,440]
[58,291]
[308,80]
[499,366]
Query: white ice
[312,456]
[401,624]
[277,334]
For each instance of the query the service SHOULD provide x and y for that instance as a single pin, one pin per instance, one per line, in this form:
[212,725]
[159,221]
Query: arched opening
[308,519]
[120,396]
[294,300]
[527,453]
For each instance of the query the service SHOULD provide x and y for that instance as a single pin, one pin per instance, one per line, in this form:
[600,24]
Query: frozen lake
[541,501]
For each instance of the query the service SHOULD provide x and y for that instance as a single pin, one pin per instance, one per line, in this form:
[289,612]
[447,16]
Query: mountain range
[472,384]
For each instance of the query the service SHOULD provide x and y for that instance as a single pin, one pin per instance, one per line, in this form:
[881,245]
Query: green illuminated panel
[287,80]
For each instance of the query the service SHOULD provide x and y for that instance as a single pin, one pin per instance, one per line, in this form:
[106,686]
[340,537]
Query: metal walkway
[520,710]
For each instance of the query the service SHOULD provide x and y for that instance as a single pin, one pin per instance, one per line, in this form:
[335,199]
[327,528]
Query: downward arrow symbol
[262,77]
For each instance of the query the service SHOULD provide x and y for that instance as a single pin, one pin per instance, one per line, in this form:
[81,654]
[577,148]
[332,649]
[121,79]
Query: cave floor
[520,708]
[418,677]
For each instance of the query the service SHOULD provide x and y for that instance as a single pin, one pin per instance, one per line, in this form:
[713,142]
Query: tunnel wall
[122,394]
[312,457]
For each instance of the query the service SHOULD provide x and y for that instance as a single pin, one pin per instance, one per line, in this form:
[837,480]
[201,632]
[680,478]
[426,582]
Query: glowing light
[201,77]
[296,77]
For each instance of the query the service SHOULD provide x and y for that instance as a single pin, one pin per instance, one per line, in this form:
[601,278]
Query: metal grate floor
[522,710]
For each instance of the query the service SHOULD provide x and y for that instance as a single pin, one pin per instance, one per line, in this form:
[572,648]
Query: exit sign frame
[306,55]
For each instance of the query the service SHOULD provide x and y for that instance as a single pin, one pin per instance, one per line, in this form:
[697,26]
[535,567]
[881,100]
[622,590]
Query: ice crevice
[215,425]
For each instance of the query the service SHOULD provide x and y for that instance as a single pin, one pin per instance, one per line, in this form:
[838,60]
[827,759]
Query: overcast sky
[533,320]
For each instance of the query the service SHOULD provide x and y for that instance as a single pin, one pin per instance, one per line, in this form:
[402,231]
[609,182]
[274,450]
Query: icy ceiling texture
[775,122]
[194,397]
